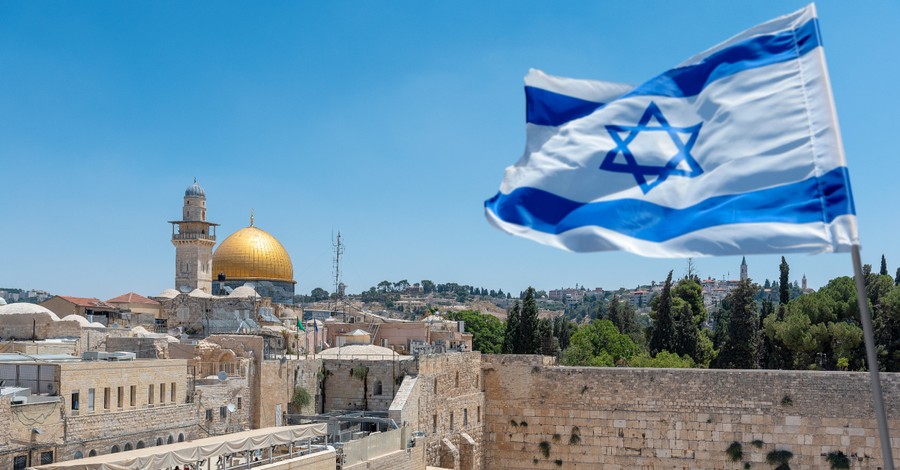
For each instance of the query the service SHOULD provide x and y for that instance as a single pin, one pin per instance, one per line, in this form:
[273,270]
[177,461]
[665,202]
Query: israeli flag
[735,151]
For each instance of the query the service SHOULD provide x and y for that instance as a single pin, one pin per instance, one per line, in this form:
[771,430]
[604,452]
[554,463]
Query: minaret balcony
[193,236]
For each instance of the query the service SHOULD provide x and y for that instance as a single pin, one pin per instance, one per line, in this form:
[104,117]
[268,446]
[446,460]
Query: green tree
[686,334]
[599,343]
[663,336]
[664,359]
[784,288]
[427,286]
[527,340]
[884,270]
[318,294]
[487,331]
[512,329]
[739,349]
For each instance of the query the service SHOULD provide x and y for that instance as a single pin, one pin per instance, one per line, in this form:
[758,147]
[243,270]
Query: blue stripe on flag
[546,108]
[819,199]
[553,109]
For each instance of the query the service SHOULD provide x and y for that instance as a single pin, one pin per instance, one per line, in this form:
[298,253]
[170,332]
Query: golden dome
[252,254]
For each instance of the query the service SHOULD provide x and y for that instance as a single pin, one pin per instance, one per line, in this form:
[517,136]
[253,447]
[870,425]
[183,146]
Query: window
[181,437]
[120,396]
[140,445]
[133,394]
[378,387]
[435,385]
[159,441]
[223,412]
[150,394]
[91,399]
[20,462]
[239,403]
[46,457]
[209,414]
[127,446]
[434,423]
[162,393]
[92,453]
[170,439]
[479,414]
[115,449]
[172,392]
[465,416]
[456,380]
[106,398]
[74,403]
[451,421]
[79,454]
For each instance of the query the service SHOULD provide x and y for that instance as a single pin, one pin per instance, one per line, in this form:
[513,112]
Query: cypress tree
[512,329]
[784,285]
[739,350]
[897,278]
[663,337]
[884,271]
[686,330]
[528,340]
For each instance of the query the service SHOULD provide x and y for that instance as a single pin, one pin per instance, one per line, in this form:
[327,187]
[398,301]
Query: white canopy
[194,451]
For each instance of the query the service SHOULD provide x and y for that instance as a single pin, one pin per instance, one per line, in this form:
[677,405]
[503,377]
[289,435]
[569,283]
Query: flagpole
[871,360]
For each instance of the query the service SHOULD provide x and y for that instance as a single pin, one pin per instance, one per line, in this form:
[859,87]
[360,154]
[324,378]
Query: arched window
[181,437]
[159,441]
[127,446]
[115,449]
[78,454]
[378,387]
[170,439]
[92,453]
[140,445]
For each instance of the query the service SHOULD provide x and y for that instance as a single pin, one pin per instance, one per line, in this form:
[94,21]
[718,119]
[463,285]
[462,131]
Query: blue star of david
[641,172]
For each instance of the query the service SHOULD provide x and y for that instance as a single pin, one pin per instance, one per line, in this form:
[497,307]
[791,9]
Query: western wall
[547,417]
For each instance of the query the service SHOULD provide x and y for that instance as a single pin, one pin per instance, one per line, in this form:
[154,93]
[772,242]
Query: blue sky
[389,121]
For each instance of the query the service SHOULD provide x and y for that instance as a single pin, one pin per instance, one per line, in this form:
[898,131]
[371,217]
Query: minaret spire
[251,217]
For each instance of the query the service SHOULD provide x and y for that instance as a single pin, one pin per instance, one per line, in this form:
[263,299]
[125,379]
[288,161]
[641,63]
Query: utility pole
[338,246]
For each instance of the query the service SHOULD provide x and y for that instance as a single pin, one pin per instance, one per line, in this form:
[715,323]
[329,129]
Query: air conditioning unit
[121,356]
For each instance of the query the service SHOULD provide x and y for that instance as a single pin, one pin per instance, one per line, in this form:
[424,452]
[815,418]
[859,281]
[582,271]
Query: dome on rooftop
[25,308]
[251,254]
[194,190]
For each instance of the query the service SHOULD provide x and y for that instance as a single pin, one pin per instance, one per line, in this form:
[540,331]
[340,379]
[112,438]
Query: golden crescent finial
[251,217]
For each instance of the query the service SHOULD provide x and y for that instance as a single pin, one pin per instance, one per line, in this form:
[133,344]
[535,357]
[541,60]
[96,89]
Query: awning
[194,451]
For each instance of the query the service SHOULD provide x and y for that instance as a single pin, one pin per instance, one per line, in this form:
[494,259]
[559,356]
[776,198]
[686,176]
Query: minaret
[744,268]
[194,239]
[804,283]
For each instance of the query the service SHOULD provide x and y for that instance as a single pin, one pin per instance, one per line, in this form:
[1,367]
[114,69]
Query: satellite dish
[231,408]
[185,289]
[223,376]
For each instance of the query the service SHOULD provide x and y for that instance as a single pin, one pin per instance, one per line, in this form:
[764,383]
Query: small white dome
[243,292]
[77,318]
[25,308]
[169,294]
[199,293]
[2,301]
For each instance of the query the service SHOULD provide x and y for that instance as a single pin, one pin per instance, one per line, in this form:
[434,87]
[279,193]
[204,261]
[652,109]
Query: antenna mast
[338,251]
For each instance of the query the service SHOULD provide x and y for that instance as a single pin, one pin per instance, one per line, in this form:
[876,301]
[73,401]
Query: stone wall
[100,431]
[345,391]
[450,404]
[213,399]
[570,417]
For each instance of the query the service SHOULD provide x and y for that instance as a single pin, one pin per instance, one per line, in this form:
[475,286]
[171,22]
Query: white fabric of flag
[735,151]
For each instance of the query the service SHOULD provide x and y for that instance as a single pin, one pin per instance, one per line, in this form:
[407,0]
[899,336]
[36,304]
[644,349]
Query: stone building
[101,406]
[93,309]
[193,237]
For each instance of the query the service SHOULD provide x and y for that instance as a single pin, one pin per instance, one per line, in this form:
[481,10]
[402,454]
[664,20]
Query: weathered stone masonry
[615,418]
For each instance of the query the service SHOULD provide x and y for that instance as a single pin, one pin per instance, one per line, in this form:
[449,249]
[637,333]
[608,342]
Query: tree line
[755,328]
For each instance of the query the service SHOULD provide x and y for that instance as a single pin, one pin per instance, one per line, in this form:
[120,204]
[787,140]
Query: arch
[170,440]
[159,441]
[140,445]
[181,437]
[79,454]
[127,446]
[115,449]
[92,453]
